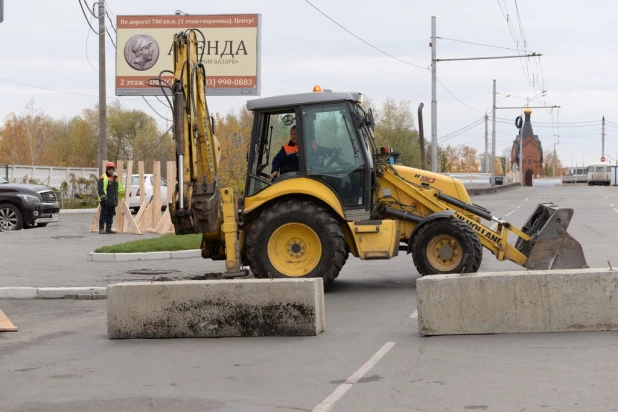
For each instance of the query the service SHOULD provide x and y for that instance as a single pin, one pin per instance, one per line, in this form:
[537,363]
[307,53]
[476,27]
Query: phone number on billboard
[228,82]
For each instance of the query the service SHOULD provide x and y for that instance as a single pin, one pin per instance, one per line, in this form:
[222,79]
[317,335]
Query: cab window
[273,132]
[332,151]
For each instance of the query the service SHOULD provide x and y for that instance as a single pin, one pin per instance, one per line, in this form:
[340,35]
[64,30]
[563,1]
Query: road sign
[602,159]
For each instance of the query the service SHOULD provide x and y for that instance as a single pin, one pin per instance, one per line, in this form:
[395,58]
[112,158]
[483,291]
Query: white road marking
[518,207]
[328,403]
[414,315]
[610,205]
[526,199]
[615,210]
[510,213]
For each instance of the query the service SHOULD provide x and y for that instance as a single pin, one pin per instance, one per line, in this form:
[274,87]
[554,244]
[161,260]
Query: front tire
[10,218]
[446,246]
[296,239]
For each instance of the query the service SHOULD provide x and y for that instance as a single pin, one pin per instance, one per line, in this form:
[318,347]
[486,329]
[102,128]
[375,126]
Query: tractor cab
[324,136]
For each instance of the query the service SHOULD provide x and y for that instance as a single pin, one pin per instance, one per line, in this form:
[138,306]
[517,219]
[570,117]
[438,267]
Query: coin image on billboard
[141,52]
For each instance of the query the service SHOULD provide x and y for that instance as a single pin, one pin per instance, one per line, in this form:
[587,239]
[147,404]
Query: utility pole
[603,137]
[434,102]
[102,96]
[521,156]
[486,144]
[493,140]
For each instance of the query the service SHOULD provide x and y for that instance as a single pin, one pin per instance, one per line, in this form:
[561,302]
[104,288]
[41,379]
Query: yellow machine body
[301,226]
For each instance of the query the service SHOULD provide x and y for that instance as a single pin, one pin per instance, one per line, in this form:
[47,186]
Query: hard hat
[110,164]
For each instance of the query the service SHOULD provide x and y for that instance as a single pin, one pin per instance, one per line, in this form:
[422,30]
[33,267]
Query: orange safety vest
[290,149]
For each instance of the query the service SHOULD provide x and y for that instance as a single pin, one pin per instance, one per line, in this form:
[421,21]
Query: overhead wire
[478,44]
[364,41]
[86,17]
[461,130]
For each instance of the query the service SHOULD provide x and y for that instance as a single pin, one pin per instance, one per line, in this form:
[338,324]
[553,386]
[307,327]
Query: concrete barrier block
[184,254]
[61,293]
[518,302]
[216,308]
[18,293]
[158,255]
[126,257]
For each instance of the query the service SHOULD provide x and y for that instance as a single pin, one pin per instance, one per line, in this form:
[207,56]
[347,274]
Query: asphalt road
[370,358]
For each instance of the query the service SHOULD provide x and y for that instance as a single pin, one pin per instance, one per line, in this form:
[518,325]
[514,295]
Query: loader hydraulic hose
[402,214]
[470,208]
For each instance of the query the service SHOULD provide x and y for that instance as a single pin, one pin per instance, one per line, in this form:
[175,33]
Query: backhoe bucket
[550,246]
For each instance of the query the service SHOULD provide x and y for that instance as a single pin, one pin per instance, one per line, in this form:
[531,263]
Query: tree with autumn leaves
[34,138]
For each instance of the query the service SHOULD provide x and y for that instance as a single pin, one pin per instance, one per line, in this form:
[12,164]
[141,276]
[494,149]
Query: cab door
[332,153]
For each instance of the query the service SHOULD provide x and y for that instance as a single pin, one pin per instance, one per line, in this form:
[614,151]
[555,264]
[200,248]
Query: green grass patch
[169,242]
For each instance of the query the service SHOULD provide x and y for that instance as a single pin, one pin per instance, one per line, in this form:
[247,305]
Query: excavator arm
[195,207]
[199,204]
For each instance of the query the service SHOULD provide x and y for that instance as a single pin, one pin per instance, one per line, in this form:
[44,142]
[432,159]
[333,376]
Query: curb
[81,293]
[126,257]
[490,190]
[75,211]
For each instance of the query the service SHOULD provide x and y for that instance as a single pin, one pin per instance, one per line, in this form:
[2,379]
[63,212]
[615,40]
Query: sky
[47,44]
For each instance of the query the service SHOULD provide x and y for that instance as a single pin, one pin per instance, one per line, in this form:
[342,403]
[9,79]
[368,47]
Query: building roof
[302,98]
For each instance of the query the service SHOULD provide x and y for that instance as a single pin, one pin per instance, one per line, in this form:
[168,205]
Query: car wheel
[10,218]
[41,224]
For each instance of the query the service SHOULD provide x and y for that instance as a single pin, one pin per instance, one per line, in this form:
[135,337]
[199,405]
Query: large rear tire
[444,246]
[296,239]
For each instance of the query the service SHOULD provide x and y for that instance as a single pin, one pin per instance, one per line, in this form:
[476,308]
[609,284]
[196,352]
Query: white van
[599,174]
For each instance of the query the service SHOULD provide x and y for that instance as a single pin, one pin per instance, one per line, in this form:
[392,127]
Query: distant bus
[599,174]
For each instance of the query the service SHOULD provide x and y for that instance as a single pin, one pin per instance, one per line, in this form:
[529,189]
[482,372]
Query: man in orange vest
[287,158]
[110,190]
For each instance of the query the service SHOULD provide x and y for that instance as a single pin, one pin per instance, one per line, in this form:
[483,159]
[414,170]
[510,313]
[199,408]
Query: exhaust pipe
[421,136]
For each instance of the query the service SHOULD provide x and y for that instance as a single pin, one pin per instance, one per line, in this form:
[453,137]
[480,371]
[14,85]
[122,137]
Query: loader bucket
[550,246]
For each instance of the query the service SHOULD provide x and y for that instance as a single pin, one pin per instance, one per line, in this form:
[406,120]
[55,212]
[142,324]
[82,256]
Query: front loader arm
[543,243]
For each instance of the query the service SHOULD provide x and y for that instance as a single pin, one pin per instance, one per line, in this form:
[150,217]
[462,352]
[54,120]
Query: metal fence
[49,175]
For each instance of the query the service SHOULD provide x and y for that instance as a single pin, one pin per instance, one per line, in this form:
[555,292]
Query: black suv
[27,206]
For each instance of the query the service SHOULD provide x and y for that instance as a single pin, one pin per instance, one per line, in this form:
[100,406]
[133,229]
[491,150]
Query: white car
[134,194]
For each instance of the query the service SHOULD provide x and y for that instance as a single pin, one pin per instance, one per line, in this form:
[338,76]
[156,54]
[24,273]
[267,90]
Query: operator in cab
[287,158]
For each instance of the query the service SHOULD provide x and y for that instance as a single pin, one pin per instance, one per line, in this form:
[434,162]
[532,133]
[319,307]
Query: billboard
[231,52]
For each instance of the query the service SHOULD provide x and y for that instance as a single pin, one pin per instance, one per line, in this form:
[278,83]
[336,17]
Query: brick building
[532,151]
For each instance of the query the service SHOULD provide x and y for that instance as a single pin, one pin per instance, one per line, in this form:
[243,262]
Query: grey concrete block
[99,297]
[18,293]
[60,293]
[185,254]
[126,257]
[84,296]
[103,257]
[217,308]
[518,302]
[158,255]
[71,296]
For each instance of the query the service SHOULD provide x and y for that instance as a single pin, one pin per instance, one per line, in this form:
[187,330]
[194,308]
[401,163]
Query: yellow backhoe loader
[337,193]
